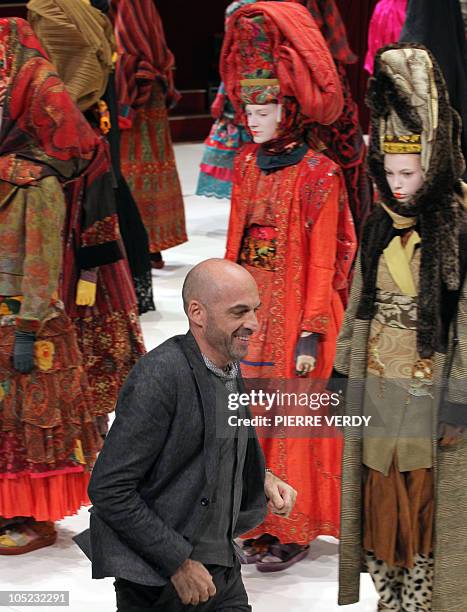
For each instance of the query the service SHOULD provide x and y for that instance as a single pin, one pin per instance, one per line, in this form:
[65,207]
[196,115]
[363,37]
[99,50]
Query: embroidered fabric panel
[259,247]
[44,413]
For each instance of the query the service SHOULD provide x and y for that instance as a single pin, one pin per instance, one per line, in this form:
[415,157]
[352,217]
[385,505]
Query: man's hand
[281,495]
[193,583]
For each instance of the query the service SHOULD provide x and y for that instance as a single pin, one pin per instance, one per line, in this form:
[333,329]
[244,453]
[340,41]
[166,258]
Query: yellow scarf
[398,257]
[398,221]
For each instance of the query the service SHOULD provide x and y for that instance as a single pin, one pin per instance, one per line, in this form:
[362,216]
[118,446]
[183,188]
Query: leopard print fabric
[402,589]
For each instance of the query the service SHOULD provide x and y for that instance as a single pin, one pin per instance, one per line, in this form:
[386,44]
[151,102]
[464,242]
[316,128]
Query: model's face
[263,121]
[404,174]
[231,321]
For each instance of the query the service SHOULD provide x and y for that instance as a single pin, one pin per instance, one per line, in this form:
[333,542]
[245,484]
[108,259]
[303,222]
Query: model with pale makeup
[401,353]
[289,216]
[263,121]
[404,174]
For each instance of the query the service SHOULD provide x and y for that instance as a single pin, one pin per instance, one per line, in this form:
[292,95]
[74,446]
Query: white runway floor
[309,586]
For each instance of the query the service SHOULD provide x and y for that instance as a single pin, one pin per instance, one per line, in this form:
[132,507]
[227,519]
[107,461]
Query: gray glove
[23,351]
[307,345]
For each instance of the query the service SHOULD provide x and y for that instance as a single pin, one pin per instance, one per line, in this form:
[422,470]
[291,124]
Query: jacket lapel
[207,394]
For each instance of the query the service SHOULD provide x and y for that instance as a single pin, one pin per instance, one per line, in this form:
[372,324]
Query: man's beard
[222,342]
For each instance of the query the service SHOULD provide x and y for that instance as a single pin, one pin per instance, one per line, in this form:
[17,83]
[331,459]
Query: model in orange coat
[284,228]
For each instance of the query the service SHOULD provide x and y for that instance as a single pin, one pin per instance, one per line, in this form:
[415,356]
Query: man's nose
[252,321]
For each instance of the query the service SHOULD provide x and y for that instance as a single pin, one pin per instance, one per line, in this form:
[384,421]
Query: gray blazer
[154,480]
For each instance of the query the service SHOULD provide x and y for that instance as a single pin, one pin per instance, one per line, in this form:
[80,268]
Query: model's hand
[85,293]
[281,495]
[450,435]
[305,364]
[305,353]
[193,583]
[23,351]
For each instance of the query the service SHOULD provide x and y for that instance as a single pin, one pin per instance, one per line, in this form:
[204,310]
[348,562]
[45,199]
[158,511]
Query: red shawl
[143,55]
[43,133]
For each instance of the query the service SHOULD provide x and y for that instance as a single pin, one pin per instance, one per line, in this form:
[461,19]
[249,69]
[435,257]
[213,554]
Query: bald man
[170,491]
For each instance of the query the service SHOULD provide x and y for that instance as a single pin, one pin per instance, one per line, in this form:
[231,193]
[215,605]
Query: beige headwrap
[413,75]
[79,41]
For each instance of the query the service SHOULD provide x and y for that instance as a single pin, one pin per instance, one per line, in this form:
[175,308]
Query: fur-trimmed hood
[438,205]
[446,164]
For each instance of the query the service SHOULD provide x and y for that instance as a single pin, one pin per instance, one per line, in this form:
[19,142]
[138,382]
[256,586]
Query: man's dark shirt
[215,546]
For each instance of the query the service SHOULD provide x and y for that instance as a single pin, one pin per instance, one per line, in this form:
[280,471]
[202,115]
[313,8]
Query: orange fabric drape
[49,498]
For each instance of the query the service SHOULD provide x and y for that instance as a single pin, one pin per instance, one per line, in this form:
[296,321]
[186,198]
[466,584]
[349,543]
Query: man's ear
[196,313]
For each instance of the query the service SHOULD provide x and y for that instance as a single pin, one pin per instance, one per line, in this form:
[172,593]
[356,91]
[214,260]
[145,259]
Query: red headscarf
[42,132]
[143,55]
[302,61]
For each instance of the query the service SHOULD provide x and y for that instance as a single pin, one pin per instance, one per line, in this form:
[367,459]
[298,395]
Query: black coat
[438,25]
[154,479]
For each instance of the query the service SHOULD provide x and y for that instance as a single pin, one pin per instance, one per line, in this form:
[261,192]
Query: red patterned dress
[292,230]
[109,332]
[145,89]
[48,437]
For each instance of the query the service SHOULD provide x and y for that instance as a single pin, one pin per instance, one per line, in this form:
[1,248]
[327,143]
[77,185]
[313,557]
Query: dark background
[194,34]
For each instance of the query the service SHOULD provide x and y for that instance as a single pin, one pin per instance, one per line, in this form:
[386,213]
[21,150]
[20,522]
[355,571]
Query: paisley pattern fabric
[44,134]
[31,221]
[109,332]
[48,436]
[148,164]
[400,385]
[111,344]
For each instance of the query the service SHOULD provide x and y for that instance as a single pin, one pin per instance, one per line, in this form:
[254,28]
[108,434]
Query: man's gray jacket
[156,476]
